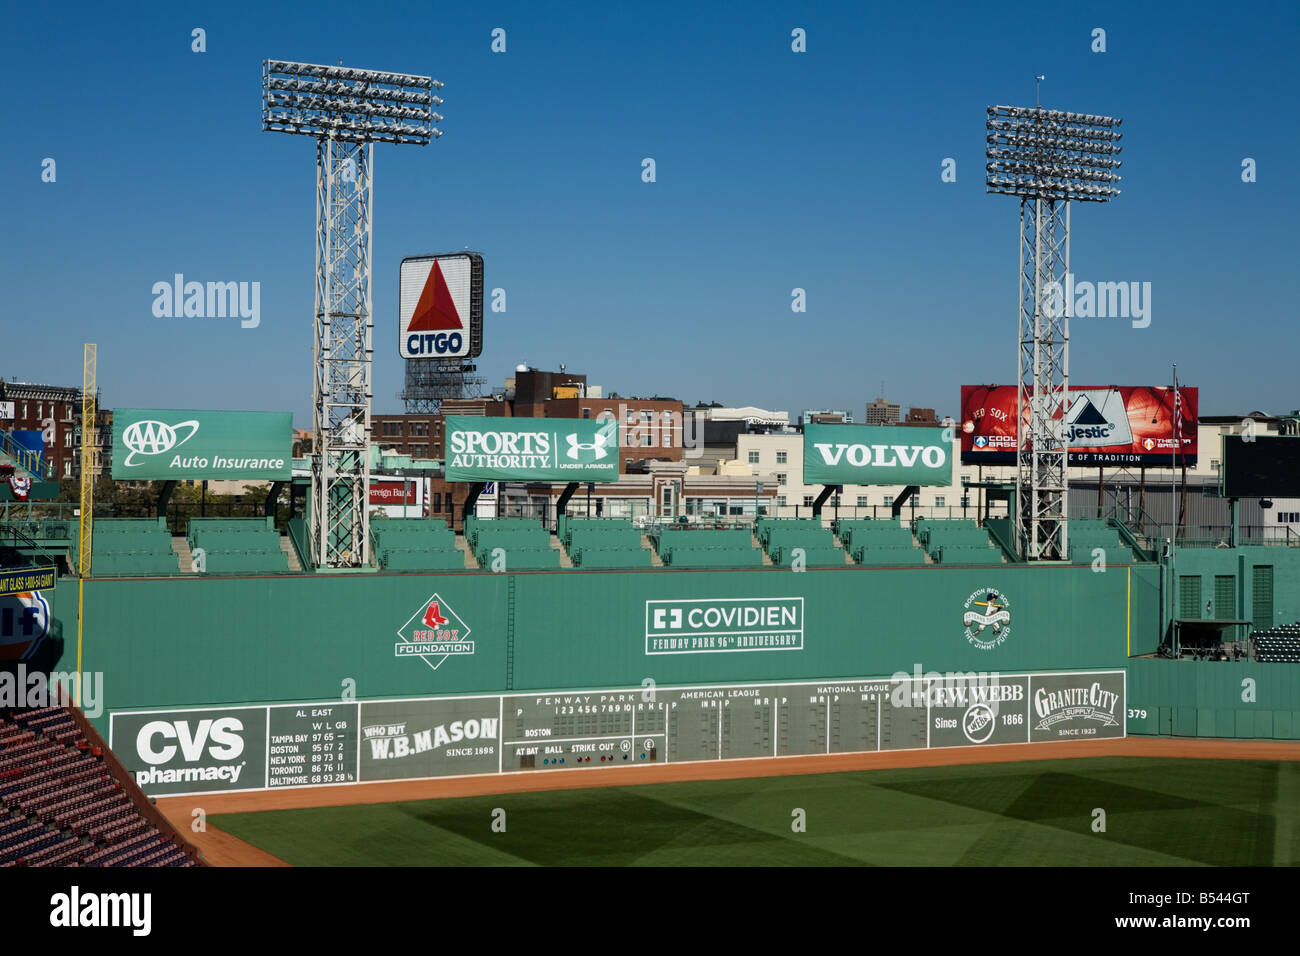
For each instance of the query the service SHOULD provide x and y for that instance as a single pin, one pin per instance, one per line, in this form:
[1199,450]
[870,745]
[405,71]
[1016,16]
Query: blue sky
[775,170]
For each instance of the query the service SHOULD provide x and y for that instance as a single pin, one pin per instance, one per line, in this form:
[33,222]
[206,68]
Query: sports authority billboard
[314,744]
[874,455]
[520,449]
[1106,425]
[169,444]
[440,306]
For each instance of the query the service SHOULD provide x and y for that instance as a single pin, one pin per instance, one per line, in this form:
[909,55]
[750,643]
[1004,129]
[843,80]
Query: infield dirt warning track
[223,849]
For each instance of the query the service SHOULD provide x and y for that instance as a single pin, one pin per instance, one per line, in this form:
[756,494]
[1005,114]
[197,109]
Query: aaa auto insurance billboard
[1106,425]
[170,444]
[875,455]
[539,449]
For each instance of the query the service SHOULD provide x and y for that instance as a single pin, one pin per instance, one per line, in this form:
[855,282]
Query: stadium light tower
[1048,158]
[347,111]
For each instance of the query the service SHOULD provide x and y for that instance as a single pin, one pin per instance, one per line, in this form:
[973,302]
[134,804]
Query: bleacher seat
[1278,644]
[125,546]
[415,544]
[60,804]
[783,556]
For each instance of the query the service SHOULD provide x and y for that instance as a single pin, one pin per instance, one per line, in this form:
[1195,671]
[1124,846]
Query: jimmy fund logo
[987,618]
[433,633]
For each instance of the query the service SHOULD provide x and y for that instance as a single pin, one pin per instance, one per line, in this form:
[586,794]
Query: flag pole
[1173,515]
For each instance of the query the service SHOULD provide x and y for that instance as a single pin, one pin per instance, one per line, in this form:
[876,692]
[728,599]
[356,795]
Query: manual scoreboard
[296,745]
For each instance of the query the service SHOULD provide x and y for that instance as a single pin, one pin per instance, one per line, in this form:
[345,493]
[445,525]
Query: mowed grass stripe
[1158,812]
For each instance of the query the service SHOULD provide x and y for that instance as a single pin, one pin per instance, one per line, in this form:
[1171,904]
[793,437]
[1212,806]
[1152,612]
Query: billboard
[1261,467]
[539,449]
[394,492]
[440,306]
[875,455]
[1106,425]
[170,444]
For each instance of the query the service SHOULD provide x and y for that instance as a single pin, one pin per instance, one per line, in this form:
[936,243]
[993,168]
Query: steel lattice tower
[347,111]
[1048,158]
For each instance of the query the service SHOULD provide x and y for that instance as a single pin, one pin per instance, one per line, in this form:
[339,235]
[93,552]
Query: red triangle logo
[435,311]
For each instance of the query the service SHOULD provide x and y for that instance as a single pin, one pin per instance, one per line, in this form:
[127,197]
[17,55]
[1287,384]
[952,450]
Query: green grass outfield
[1159,812]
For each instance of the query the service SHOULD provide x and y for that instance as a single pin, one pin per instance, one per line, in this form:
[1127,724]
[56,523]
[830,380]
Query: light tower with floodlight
[1048,158]
[347,111]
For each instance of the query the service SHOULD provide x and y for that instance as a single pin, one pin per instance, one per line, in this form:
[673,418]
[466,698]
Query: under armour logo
[597,446]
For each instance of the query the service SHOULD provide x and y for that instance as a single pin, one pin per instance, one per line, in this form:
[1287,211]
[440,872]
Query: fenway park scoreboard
[327,744]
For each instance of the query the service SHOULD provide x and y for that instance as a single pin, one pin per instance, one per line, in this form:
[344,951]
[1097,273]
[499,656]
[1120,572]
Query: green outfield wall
[1214,699]
[190,641]
[195,642]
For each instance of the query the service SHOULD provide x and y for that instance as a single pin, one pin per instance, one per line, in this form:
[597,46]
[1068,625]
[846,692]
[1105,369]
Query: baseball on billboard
[440,306]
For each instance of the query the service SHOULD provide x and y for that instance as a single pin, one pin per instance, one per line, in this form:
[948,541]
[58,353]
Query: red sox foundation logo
[434,633]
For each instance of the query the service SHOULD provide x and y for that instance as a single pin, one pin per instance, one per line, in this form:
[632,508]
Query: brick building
[56,411]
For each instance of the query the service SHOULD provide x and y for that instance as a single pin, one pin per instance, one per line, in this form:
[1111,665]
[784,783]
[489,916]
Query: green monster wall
[189,642]
[1214,699]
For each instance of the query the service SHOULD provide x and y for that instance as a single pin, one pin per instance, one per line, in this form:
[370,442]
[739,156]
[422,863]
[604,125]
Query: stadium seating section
[879,542]
[60,805]
[233,545]
[523,544]
[956,541]
[707,548]
[786,540]
[1087,535]
[1280,644]
[124,546]
[603,543]
[414,544]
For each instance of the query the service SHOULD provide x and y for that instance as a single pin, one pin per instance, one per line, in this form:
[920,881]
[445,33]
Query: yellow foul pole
[88,422]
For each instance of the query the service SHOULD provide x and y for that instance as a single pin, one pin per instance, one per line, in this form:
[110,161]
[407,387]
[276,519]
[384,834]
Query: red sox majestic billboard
[1106,424]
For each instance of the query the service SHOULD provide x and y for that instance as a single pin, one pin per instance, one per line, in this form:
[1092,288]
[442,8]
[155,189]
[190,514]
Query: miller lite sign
[440,307]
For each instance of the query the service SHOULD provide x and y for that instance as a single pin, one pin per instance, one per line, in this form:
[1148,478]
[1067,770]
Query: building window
[807,501]
[753,458]
[862,501]
[938,501]
[781,458]
[1214,465]
[780,501]
[586,413]
[780,478]
[67,439]
[67,468]
[835,501]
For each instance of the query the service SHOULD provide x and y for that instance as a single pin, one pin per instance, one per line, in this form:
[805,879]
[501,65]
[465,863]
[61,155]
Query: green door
[1261,592]
[1225,597]
[1189,596]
